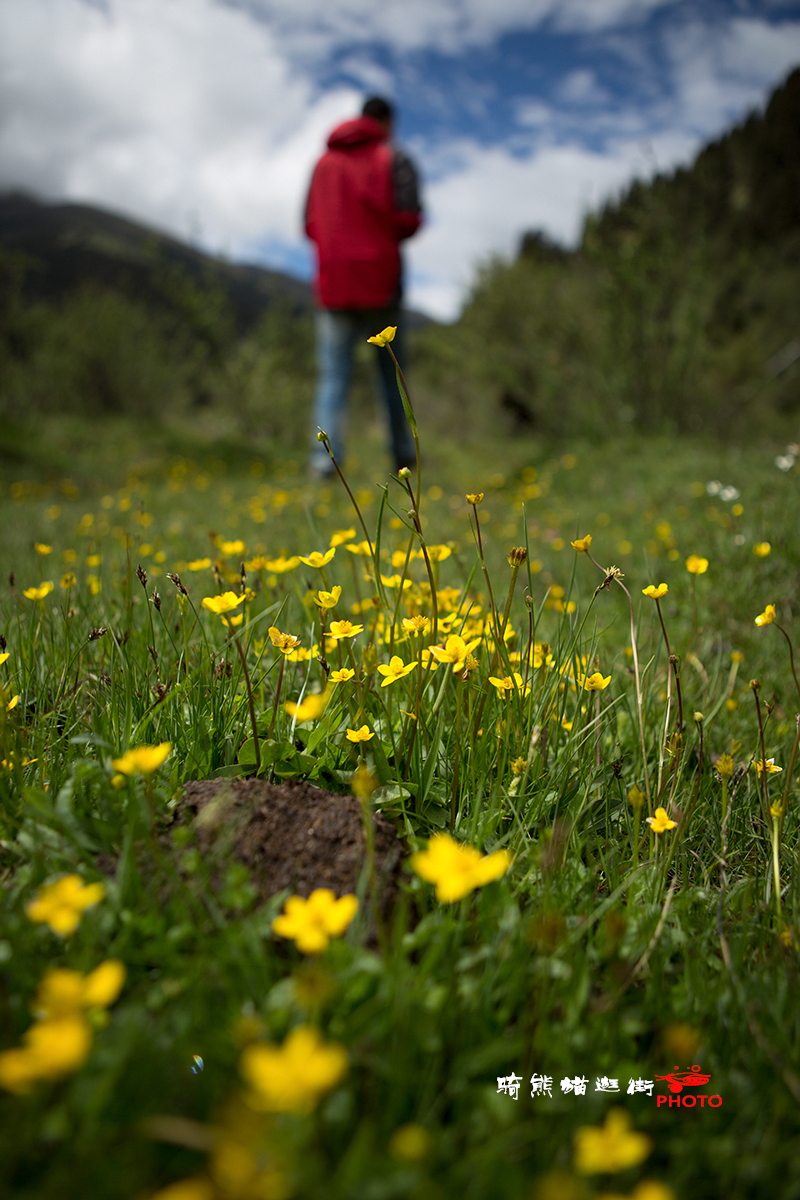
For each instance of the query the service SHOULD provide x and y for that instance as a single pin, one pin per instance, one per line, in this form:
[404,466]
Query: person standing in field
[363,201]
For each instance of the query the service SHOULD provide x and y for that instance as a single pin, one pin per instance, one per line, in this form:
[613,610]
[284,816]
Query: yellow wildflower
[384,337]
[285,642]
[199,564]
[655,593]
[696,565]
[439,553]
[725,766]
[518,765]
[328,599]
[13,702]
[414,625]
[767,617]
[457,869]
[315,559]
[340,536]
[582,544]
[41,548]
[63,992]
[53,1048]
[39,593]
[236,547]
[294,1076]
[636,796]
[542,655]
[342,676]
[660,823]
[143,760]
[767,765]
[4,658]
[762,549]
[360,735]
[455,651]
[612,1147]
[363,783]
[61,904]
[344,629]
[395,670]
[313,922]
[362,548]
[309,709]
[280,565]
[508,684]
[475,498]
[595,682]
[222,604]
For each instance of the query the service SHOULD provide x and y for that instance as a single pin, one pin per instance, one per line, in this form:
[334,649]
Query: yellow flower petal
[292,1077]
[457,869]
[384,337]
[143,760]
[660,823]
[360,735]
[224,603]
[611,1147]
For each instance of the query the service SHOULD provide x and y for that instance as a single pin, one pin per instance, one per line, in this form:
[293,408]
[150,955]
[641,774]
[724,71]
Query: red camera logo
[677,1080]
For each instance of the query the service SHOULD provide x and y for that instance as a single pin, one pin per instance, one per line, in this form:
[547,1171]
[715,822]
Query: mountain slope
[678,312]
[69,245]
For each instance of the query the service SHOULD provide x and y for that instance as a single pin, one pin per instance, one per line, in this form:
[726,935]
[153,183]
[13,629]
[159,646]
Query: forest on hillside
[678,313]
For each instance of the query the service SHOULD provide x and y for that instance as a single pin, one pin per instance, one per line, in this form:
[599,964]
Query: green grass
[605,950]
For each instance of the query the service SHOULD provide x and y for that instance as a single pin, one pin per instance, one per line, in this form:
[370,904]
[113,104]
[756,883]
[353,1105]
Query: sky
[203,118]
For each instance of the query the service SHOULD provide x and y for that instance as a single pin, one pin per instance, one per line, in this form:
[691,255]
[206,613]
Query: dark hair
[378,108]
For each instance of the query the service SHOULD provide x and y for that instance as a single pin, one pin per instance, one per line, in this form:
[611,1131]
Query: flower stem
[250,702]
[776,866]
[755,685]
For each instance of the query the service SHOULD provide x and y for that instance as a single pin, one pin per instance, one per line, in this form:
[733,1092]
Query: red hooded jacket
[361,203]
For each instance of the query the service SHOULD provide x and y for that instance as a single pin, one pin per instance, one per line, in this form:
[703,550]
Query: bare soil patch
[291,835]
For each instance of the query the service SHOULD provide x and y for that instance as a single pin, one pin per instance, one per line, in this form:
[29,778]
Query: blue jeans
[337,331]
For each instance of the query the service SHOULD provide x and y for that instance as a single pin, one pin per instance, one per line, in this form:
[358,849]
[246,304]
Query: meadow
[543,666]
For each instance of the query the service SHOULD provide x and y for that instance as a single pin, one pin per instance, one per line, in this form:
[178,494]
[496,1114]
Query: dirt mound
[291,835]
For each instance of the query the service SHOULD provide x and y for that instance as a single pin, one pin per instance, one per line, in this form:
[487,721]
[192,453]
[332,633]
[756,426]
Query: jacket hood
[359,132]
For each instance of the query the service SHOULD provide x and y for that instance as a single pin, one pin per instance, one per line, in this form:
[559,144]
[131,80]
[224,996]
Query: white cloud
[204,114]
[721,73]
[449,26]
[179,114]
[581,87]
[483,208]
